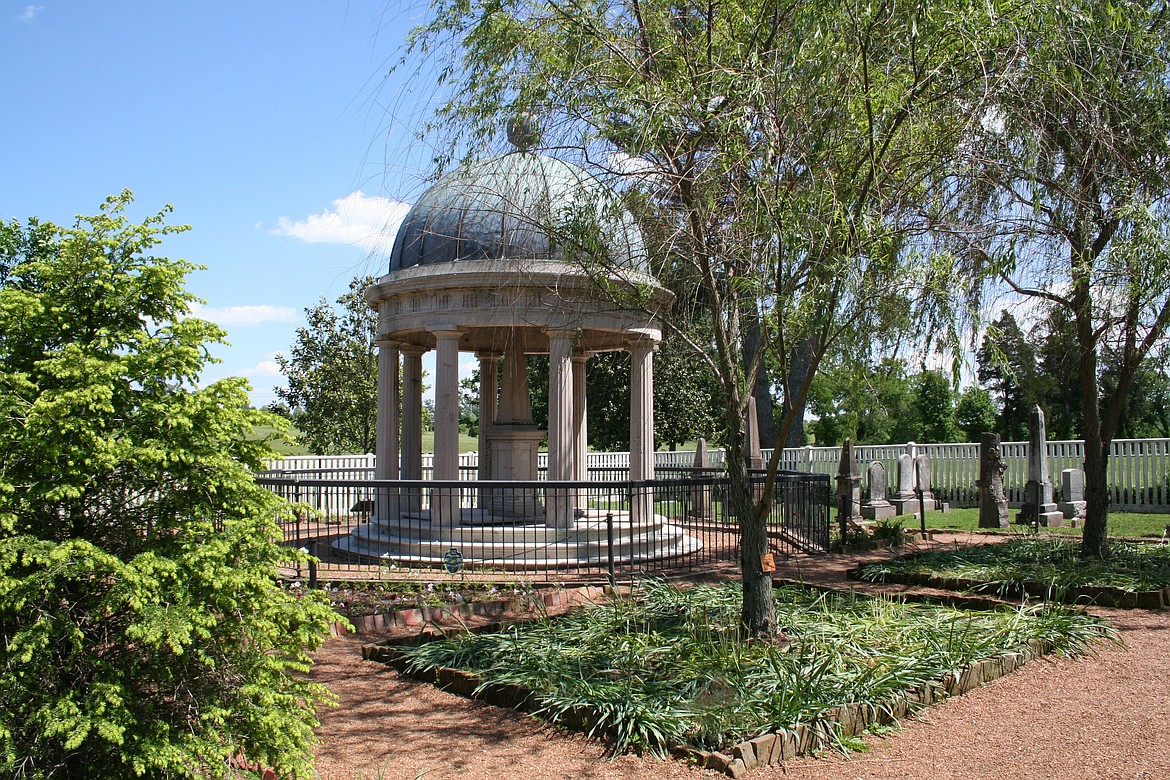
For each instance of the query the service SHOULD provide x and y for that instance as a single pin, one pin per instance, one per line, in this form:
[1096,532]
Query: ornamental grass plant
[1052,561]
[666,667]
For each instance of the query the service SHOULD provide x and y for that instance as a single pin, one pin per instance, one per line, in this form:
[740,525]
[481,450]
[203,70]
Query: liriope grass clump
[666,667]
[1057,563]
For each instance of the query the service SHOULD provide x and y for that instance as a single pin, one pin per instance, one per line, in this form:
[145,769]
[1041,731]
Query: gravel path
[1105,717]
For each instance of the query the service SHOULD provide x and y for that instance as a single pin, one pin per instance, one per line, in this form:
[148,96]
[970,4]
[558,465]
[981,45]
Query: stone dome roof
[519,206]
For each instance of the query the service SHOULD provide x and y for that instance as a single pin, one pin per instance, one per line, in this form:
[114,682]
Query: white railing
[1139,469]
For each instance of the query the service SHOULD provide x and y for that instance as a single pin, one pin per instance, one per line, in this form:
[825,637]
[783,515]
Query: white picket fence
[1139,469]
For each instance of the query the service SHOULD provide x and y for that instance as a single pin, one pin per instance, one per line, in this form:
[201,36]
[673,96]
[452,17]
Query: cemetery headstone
[1039,509]
[755,454]
[1072,492]
[876,506]
[701,494]
[993,503]
[922,483]
[904,500]
[848,487]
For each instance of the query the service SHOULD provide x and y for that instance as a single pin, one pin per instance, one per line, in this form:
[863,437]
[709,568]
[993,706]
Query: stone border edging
[854,718]
[850,719]
[1098,595]
[420,616]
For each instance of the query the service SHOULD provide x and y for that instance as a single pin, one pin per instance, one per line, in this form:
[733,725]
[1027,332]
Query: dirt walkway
[1101,718]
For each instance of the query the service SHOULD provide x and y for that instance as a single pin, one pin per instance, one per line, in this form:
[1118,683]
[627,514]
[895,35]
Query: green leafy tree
[685,397]
[1007,367]
[469,403]
[332,375]
[870,405]
[1146,409]
[782,152]
[141,631]
[1060,395]
[1068,182]
[934,408]
[974,413]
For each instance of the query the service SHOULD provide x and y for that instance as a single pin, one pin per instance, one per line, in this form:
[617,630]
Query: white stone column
[386,437]
[386,447]
[411,421]
[559,509]
[488,391]
[642,425]
[642,408]
[580,423]
[445,502]
[580,430]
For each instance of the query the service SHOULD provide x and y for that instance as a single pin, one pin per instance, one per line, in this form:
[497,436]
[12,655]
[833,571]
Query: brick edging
[420,616]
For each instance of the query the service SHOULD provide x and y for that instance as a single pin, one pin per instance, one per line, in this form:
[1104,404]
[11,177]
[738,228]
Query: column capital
[488,355]
[448,332]
[580,356]
[563,333]
[412,350]
[385,342]
[643,340]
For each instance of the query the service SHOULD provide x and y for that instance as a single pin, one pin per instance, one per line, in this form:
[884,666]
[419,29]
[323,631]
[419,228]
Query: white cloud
[356,219]
[265,368]
[29,13]
[243,316]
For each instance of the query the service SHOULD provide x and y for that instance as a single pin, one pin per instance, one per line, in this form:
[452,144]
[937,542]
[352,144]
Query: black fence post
[609,549]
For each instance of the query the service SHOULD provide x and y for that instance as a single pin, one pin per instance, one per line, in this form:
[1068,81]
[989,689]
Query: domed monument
[514,255]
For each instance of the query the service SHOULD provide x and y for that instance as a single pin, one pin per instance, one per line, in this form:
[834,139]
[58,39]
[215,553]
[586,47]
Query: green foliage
[882,404]
[933,407]
[1007,368]
[780,155]
[974,413]
[891,529]
[666,666]
[332,374]
[141,631]
[1068,192]
[686,402]
[1054,561]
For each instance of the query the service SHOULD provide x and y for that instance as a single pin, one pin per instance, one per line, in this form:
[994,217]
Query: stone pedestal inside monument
[514,451]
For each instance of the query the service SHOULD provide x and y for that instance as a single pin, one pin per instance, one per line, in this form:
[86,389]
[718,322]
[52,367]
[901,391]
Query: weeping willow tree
[1067,185]
[780,154]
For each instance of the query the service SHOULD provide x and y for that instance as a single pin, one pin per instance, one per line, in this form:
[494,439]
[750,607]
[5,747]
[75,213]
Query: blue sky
[271,127]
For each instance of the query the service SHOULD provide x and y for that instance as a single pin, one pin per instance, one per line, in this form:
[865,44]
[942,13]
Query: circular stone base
[508,545]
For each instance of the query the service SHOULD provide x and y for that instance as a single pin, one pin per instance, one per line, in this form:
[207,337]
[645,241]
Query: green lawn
[1130,525]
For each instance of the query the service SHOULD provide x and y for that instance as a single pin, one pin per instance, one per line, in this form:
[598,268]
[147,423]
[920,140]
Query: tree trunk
[1095,537]
[758,612]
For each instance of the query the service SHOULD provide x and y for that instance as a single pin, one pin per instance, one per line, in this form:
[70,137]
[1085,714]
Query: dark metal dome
[519,206]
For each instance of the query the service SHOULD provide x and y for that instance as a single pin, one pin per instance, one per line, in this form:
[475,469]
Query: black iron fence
[544,528]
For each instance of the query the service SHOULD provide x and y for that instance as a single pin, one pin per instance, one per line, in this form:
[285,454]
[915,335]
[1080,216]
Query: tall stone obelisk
[1039,507]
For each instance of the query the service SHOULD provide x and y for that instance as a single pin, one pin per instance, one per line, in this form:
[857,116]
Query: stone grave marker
[993,503]
[876,506]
